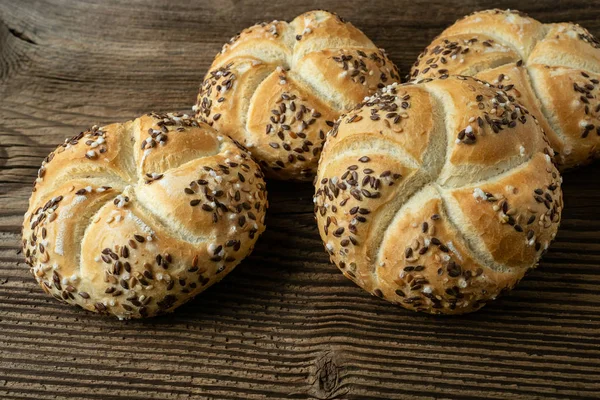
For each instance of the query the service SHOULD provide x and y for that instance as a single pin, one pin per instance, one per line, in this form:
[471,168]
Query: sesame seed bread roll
[134,219]
[552,69]
[277,88]
[437,196]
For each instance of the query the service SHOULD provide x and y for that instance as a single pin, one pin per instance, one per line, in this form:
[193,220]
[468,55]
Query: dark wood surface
[285,323]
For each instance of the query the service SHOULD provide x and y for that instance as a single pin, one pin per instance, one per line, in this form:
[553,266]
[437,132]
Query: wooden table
[285,323]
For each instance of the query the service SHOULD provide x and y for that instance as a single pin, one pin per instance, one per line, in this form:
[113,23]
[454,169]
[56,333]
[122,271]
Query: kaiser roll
[135,219]
[277,88]
[437,196]
[552,69]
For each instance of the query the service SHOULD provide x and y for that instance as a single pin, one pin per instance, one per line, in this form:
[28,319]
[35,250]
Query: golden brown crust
[571,101]
[512,27]
[435,272]
[288,125]
[164,208]
[567,45]
[387,116]
[512,213]
[428,213]
[463,54]
[484,43]
[490,129]
[514,80]
[321,61]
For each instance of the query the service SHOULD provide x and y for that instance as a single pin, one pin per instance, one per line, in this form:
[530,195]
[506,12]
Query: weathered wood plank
[286,323]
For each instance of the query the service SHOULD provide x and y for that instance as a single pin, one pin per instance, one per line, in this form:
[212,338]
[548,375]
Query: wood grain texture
[285,323]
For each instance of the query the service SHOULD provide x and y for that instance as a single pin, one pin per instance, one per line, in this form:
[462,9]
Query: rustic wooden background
[286,323]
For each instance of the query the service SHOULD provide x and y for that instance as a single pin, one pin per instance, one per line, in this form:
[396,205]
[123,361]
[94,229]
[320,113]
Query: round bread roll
[552,69]
[135,219]
[437,196]
[277,88]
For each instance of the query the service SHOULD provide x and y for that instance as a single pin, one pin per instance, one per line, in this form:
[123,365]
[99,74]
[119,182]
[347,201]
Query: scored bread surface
[437,196]
[277,88]
[134,219]
[552,69]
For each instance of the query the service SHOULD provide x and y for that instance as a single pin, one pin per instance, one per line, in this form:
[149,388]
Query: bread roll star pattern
[134,219]
[277,88]
[437,196]
[552,69]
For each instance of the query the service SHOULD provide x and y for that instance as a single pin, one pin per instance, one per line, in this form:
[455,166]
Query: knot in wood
[326,376]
